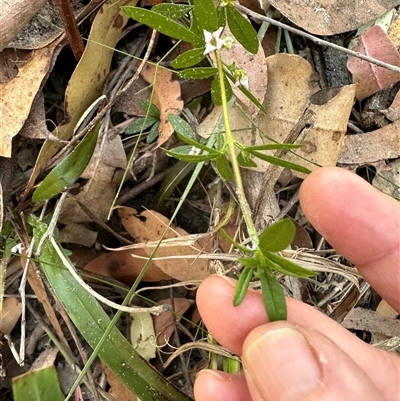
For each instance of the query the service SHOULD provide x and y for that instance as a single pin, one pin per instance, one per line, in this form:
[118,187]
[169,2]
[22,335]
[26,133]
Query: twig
[316,40]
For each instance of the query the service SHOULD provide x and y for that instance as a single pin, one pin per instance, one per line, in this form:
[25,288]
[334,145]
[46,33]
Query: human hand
[310,357]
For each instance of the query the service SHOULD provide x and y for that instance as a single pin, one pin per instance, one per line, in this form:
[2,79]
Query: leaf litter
[291,89]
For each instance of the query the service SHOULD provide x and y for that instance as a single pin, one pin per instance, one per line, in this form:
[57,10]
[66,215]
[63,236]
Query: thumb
[286,362]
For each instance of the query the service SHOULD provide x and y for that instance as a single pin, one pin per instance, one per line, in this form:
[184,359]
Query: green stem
[244,205]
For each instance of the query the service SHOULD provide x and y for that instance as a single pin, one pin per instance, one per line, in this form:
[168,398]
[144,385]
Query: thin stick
[316,40]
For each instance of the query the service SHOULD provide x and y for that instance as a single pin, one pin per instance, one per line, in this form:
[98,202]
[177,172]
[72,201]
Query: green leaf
[242,30]
[153,133]
[69,170]
[277,236]
[249,262]
[245,161]
[140,125]
[206,15]
[288,267]
[163,24]
[37,385]
[149,108]
[243,283]
[279,162]
[233,242]
[182,153]
[182,127]
[198,73]
[92,321]
[273,296]
[224,168]
[272,146]
[172,11]
[216,91]
[189,58]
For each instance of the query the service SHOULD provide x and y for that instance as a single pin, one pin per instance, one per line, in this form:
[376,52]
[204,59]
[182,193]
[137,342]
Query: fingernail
[282,365]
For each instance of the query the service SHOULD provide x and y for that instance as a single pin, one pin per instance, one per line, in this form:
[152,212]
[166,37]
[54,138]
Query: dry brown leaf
[327,17]
[163,324]
[17,95]
[14,14]
[387,180]
[370,147]
[149,226]
[118,390]
[368,77]
[87,81]
[167,97]
[77,234]
[101,185]
[393,112]
[394,32]
[10,314]
[123,267]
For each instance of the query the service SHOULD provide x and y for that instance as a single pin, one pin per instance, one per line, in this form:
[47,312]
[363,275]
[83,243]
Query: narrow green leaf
[189,58]
[242,30]
[206,15]
[153,133]
[69,170]
[162,24]
[241,287]
[179,171]
[245,161]
[216,91]
[233,242]
[182,153]
[224,168]
[273,296]
[37,385]
[92,321]
[172,11]
[198,73]
[277,236]
[150,109]
[280,162]
[272,146]
[140,125]
[288,267]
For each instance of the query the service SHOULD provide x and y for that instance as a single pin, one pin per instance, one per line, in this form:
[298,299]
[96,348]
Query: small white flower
[17,248]
[195,151]
[241,78]
[213,40]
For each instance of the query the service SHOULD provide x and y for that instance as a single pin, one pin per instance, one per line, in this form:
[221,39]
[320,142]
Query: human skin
[310,357]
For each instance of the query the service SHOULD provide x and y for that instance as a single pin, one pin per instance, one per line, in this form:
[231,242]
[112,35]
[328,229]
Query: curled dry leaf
[393,112]
[167,97]
[327,17]
[388,180]
[17,95]
[368,77]
[380,144]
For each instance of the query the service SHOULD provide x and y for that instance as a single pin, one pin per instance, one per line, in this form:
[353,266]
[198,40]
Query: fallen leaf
[9,314]
[393,112]
[118,390]
[143,336]
[87,81]
[167,97]
[17,95]
[369,147]
[368,77]
[394,32]
[388,180]
[327,17]
[100,187]
[163,324]
[149,226]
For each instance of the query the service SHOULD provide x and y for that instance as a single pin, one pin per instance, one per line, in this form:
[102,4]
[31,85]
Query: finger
[211,385]
[230,326]
[360,222]
[291,363]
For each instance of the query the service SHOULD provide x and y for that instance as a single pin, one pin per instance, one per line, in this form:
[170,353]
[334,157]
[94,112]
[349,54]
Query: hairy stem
[244,205]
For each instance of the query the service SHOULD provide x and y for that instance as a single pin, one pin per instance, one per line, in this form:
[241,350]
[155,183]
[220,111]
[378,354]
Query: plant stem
[244,205]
